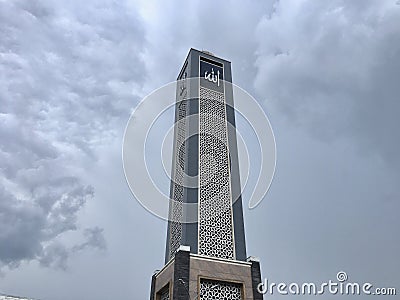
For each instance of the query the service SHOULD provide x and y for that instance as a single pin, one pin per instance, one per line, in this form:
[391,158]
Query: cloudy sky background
[327,74]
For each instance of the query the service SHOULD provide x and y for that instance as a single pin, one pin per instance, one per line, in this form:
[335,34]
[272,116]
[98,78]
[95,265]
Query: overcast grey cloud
[333,68]
[326,74]
[66,76]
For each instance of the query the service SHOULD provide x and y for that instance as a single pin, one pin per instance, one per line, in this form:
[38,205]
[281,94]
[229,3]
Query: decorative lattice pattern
[215,204]
[212,289]
[164,295]
[177,193]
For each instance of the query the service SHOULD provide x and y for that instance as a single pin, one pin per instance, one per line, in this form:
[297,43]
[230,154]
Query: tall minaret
[205,249]
[205,149]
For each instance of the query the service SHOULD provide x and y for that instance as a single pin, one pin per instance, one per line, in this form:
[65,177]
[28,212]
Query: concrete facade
[183,273]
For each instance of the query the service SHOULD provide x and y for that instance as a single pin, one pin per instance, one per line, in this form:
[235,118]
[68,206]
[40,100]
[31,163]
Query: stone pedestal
[190,276]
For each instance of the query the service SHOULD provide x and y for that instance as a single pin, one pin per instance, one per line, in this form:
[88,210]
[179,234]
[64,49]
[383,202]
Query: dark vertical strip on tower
[153,286]
[239,234]
[181,275]
[256,279]
[189,229]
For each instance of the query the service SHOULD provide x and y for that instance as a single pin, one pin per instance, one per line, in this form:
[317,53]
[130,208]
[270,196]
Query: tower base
[189,276]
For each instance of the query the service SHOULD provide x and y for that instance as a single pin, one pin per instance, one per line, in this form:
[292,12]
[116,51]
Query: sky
[327,74]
